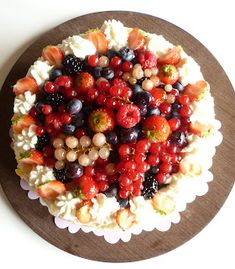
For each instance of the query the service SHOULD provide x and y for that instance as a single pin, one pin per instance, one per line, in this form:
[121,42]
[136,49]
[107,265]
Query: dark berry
[154,169]
[143,98]
[128,135]
[153,111]
[136,89]
[55,74]
[127,54]
[74,106]
[178,138]
[112,190]
[111,53]
[78,120]
[107,73]
[54,99]
[178,86]
[150,187]
[72,65]
[74,170]
[96,72]
[143,110]
[112,138]
[123,202]
[61,175]
[139,81]
[42,142]
[114,156]
[69,129]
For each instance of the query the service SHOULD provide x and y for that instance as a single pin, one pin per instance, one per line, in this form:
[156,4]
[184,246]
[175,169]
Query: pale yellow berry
[99,139]
[59,165]
[103,61]
[93,154]
[71,142]
[58,143]
[60,154]
[84,160]
[155,79]
[110,169]
[71,156]
[170,98]
[126,76]
[104,153]
[168,88]
[85,141]
[132,81]
[147,85]
[137,73]
[148,73]
[137,66]
[154,71]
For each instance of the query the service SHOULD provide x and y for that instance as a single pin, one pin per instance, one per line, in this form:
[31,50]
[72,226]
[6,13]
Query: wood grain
[147,244]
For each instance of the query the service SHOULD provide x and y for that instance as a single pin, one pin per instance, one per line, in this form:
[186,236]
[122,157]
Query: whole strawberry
[101,120]
[84,82]
[168,74]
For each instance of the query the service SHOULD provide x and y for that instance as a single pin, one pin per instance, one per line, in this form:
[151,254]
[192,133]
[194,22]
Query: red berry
[185,111]
[50,87]
[185,121]
[33,112]
[124,180]
[65,118]
[117,73]
[124,150]
[183,99]
[130,165]
[103,185]
[62,108]
[142,167]
[100,176]
[129,188]
[103,85]
[175,92]
[40,131]
[93,60]
[127,66]
[79,133]
[147,59]
[115,91]
[89,171]
[161,178]
[119,83]
[171,149]
[48,151]
[115,62]
[153,159]
[133,175]
[136,192]
[165,168]
[174,158]
[174,124]
[155,148]
[165,108]
[142,146]
[70,93]
[126,93]
[128,116]
[50,162]
[46,109]
[92,94]
[64,81]
[101,99]
[175,168]
[139,157]
[112,103]
[166,158]
[123,193]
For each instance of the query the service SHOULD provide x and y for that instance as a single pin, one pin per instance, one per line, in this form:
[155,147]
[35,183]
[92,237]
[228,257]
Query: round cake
[115,129]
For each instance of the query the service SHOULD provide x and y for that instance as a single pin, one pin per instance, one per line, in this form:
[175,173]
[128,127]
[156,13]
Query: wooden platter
[147,244]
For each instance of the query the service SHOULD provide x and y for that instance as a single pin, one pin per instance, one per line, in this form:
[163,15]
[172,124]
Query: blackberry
[61,175]
[150,186]
[54,99]
[42,142]
[72,65]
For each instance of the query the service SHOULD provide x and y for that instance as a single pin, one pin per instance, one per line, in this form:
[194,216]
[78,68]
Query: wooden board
[147,244]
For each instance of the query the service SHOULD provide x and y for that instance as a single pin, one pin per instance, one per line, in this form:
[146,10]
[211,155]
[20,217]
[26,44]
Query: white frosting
[24,102]
[39,175]
[40,71]
[27,139]
[157,44]
[78,46]
[116,34]
[67,206]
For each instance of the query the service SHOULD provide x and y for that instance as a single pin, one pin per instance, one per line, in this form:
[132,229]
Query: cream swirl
[24,102]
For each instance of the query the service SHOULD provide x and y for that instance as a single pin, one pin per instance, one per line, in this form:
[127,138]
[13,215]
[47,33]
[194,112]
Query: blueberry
[153,111]
[78,120]
[178,138]
[174,114]
[112,190]
[39,106]
[154,169]
[175,106]
[143,98]
[143,110]
[128,135]
[96,72]
[74,106]
[112,138]
[123,202]
[127,54]
[107,73]
[74,170]
[136,89]
[69,129]
[178,86]
[111,54]
[55,74]
[114,157]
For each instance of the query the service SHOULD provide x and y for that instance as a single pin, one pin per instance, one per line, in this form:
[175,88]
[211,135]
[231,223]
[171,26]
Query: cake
[115,128]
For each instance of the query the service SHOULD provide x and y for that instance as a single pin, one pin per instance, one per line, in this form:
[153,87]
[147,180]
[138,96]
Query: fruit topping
[83,212]
[128,116]
[172,56]
[32,157]
[51,190]
[124,218]
[99,40]
[150,186]
[84,82]
[136,39]
[25,84]
[53,55]
[147,59]
[168,74]
[196,91]
[21,122]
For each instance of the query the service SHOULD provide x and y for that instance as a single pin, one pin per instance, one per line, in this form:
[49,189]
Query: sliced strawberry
[51,190]
[25,84]
[136,39]
[124,218]
[21,122]
[32,157]
[200,129]
[196,91]
[99,40]
[83,212]
[53,55]
[171,57]
[84,82]
[168,74]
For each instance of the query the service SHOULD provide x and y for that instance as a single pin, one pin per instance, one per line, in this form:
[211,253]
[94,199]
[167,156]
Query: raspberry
[147,59]
[119,83]
[128,116]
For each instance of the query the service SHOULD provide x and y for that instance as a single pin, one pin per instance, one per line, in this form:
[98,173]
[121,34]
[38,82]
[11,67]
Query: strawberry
[147,59]
[168,74]
[200,129]
[21,122]
[171,57]
[99,40]
[53,55]
[163,203]
[159,96]
[83,212]
[190,166]
[124,218]
[136,39]
[196,91]
[156,128]
[25,84]
[88,187]
[101,120]
[32,157]
[84,82]
[128,116]
[51,190]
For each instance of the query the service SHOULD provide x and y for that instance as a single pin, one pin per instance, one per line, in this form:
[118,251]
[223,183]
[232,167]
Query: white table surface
[22,22]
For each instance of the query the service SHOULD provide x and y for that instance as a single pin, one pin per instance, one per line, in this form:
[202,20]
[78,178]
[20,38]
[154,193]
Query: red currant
[166,158]
[183,99]
[33,112]
[174,124]
[89,171]
[142,167]
[100,176]
[185,111]
[92,60]
[115,91]
[64,81]
[171,149]
[111,103]
[165,108]
[103,185]
[101,99]
[143,146]
[115,62]
[123,193]
[136,192]
[155,148]
[103,85]
[185,121]
[124,180]
[127,66]
[175,168]
[153,159]
[46,109]
[65,118]
[40,130]
[130,165]
[139,157]
[129,188]
[126,93]
[175,92]
[165,168]
[48,151]
[79,133]
[117,73]
[50,87]
[92,94]
[161,178]
[124,150]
